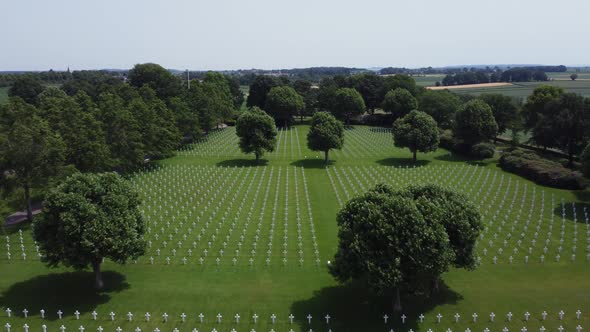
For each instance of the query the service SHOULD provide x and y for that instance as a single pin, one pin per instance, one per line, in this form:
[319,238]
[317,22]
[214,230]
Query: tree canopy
[474,122]
[257,132]
[161,80]
[405,239]
[503,108]
[259,89]
[26,87]
[283,103]
[399,102]
[90,217]
[347,103]
[417,131]
[325,133]
[441,105]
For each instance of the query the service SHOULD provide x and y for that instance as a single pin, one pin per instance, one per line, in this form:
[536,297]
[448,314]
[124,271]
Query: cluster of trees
[50,76]
[521,74]
[98,123]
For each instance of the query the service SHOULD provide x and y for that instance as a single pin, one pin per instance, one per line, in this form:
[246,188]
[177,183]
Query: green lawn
[523,90]
[284,210]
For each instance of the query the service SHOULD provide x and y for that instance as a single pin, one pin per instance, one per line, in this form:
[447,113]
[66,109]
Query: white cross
[99,329]
[137,329]
[112,314]
[273,317]
[509,316]
[165,317]
[579,328]
[560,328]
[291,318]
[309,319]
[385,318]
[8,311]
[523,329]
[219,318]
[505,329]
[130,316]
[42,312]
[578,313]
[156,330]
[561,313]
[25,312]
[77,314]
[59,313]
[526,316]
[403,317]
[421,317]
[118,329]
[438,317]
[542,329]
[44,328]
[26,327]
[544,315]
[201,316]
[237,317]
[492,315]
[94,314]
[457,316]
[62,328]
[183,317]
[327,319]
[81,328]
[147,316]
[7,326]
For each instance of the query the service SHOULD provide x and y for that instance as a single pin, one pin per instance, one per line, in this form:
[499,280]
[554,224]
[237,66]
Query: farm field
[523,90]
[230,237]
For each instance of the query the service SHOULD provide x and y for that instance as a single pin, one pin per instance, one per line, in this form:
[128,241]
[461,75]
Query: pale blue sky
[232,34]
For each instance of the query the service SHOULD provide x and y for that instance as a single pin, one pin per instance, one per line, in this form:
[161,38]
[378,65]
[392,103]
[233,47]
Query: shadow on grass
[242,162]
[568,207]
[453,157]
[351,308]
[68,292]
[394,161]
[312,163]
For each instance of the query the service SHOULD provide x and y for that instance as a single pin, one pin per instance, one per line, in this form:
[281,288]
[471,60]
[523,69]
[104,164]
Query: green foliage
[441,105]
[370,86]
[417,131]
[574,76]
[483,150]
[585,159]
[542,171]
[475,122]
[155,76]
[283,103]
[325,133]
[347,103]
[27,88]
[259,90]
[504,110]
[257,132]
[90,217]
[405,239]
[399,102]
[400,81]
[187,119]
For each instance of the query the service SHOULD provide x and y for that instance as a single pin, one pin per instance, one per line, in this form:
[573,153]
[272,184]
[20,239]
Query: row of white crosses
[147,317]
[217,143]
[287,143]
[479,184]
[492,317]
[362,142]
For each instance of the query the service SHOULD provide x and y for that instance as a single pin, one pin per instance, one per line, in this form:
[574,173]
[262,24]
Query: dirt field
[468,86]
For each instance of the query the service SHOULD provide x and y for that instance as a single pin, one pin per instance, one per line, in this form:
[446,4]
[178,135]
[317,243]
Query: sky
[272,34]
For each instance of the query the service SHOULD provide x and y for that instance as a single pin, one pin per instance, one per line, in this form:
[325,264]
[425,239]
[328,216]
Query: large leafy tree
[400,81]
[504,110]
[399,102]
[441,105]
[475,122]
[417,131]
[26,87]
[370,86]
[257,132]
[283,103]
[30,151]
[325,133]
[161,80]
[570,124]
[90,217]
[406,239]
[347,103]
[187,119]
[259,90]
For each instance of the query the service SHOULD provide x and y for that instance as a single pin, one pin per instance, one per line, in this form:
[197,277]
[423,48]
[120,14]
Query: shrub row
[542,171]
[479,151]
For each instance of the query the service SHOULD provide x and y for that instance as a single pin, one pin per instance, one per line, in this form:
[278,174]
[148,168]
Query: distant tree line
[510,75]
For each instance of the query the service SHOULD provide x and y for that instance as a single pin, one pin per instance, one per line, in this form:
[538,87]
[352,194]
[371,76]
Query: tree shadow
[352,308]
[395,161]
[569,211]
[454,157]
[68,292]
[242,162]
[312,163]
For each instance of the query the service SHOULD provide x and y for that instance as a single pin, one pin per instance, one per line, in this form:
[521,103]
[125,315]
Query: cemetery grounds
[229,237]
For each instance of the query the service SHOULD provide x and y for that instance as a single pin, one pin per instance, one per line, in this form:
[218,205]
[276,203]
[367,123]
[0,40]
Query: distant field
[566,76]
[523,90]
[3,94]
[428,80]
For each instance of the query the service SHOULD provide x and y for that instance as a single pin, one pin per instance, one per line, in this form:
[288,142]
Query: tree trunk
[326,157]
[28,201]
[97,274]
[397,302]
[414,157]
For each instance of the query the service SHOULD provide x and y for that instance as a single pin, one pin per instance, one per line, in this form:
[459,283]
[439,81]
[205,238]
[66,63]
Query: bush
[542,171]
[483,150]
[378,119]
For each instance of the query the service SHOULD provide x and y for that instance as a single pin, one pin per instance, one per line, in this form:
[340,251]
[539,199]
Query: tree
[370,86]
[570,124]
[309,94]
[259,89]
[538,115]
[504,110]
[475,122]
[417,131]
[257,132]
[574,76]
[441,105]
[399,102]
[161,80]
[347,103]
[282,103]
[187,119]
[29,150]
[26,87]
[90,217]
[399,81]
[585,159]
[325,133]
[405,239]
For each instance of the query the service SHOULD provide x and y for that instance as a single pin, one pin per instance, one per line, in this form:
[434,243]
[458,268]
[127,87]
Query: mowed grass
[279,206]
